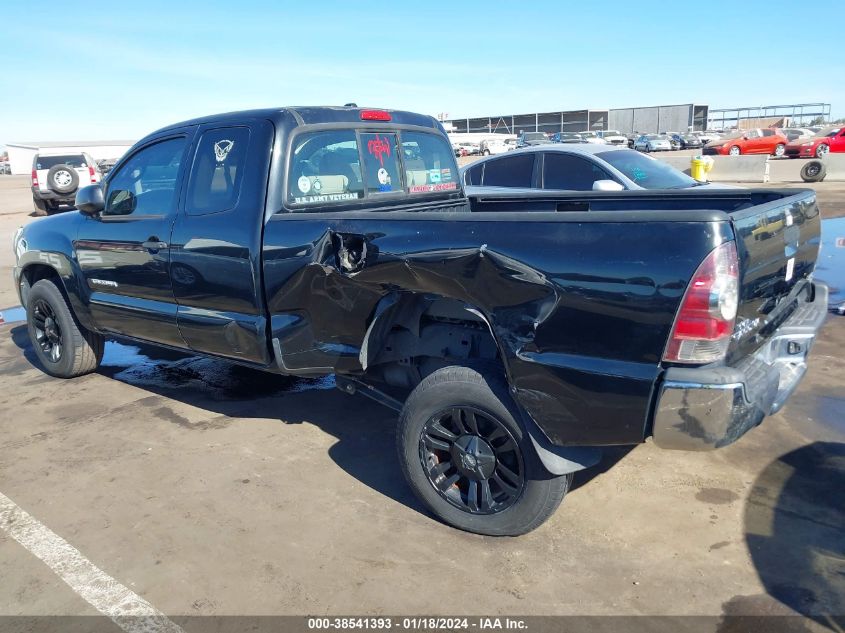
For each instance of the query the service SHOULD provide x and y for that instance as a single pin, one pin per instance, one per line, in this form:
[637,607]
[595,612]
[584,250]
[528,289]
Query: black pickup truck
[516,334]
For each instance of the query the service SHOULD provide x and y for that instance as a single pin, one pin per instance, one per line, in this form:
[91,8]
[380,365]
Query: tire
[780,150]
[40,206]
[64,348]
[735,151]
[486,152]
[813,171]
[822,149]
[62,179]
[507,492]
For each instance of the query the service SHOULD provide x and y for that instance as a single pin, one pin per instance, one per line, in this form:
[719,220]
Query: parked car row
[793,142]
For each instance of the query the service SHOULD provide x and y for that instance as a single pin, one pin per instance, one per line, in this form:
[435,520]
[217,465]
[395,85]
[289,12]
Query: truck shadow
[365,431]
[795,531]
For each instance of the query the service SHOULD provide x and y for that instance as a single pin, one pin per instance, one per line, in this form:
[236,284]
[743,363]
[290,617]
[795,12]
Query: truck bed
[579,290]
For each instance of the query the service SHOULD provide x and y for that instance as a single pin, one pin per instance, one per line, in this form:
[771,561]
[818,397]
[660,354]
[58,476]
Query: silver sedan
[653,143]
[583,167]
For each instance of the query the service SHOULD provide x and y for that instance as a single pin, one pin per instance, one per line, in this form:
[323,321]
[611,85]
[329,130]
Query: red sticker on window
[446,186]
[378,147]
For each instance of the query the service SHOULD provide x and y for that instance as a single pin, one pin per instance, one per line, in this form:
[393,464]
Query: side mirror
[607,185]
[89,200]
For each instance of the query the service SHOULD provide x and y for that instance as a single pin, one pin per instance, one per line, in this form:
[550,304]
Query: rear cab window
[343,166]
[76,161]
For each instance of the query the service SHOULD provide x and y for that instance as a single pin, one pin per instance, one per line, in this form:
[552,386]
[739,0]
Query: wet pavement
[212,489]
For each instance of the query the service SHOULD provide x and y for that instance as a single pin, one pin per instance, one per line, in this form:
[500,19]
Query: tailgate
[777,245]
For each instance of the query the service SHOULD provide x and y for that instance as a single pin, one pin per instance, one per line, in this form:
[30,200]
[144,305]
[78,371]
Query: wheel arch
[35,265]
[410,310]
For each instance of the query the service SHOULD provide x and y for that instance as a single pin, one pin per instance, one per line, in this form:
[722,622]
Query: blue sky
[118,71]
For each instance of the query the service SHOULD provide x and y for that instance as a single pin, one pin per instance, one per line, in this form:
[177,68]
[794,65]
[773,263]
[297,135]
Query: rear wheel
[466,456]
[735,151]
[64,347]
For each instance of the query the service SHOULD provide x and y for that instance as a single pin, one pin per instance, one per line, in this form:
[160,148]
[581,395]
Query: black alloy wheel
[472,460]
[48,334]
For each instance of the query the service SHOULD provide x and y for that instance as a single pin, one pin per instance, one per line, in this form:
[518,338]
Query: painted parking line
[127,609]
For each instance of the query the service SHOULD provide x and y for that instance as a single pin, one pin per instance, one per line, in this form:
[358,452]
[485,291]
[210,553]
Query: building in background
[672,118]
[747,117]
[682,117]
[679,118]
[22,153]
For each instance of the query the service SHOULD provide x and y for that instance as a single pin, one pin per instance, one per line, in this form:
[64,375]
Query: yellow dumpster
[699,166]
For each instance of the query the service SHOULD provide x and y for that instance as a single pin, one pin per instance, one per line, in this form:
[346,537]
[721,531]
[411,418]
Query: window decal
[378,147]
[444,186]
[222,149]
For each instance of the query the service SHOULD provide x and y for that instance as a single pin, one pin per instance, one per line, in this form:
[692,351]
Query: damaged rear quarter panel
[581,309]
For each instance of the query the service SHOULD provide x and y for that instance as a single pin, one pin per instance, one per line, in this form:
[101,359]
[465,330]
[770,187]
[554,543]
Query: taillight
[375,115]
[705,321]
[92,174]
[34,178]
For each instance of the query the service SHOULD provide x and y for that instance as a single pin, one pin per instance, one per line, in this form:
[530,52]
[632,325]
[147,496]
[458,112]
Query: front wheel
[64,347]
[465,454]
[735,151]
[780,149]
[822,150]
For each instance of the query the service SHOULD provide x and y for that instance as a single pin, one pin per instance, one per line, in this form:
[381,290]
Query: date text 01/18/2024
[416,623]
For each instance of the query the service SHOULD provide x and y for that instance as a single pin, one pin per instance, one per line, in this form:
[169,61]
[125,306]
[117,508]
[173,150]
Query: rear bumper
[706,408]
[52,195]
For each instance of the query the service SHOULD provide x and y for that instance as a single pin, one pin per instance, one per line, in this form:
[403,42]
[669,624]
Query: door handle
[154,245]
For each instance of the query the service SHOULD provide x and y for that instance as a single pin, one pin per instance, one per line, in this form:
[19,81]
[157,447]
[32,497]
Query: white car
[495,146]
[615,137]
[653,143]
[56,177]
[593,137]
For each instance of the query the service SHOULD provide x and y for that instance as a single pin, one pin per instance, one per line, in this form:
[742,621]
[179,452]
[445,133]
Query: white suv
[56,177]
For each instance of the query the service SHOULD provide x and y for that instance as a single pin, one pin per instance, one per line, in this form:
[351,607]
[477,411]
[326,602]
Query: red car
[830,140]
[749,142]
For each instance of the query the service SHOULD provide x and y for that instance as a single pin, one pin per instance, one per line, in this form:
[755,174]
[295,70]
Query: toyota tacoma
[516,333]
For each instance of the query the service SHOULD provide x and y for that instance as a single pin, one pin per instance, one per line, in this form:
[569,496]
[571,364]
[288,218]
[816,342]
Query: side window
[514,171]
[473,175]
[325,168]
[218,170]
[146,183]
[563,171]
[381,163]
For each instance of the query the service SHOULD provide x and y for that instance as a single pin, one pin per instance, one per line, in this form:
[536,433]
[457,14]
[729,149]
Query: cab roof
[308,115]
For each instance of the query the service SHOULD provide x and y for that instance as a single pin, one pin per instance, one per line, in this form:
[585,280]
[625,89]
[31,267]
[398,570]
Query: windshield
[830,133]
[612,133]
[534,136]
[646,171]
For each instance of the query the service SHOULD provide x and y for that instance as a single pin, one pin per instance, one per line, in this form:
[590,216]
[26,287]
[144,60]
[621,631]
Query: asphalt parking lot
[208,489]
